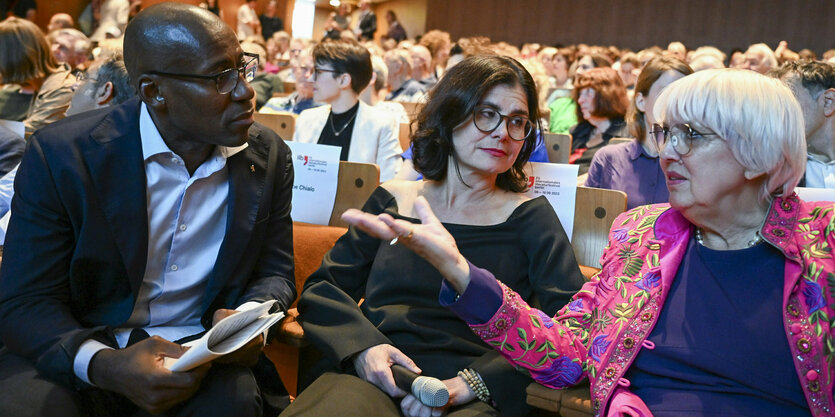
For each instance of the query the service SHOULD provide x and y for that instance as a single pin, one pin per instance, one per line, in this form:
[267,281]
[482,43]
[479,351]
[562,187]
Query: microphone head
[430,391]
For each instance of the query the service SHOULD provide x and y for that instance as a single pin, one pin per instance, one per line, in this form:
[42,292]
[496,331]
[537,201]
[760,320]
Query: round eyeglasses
[487,118]
[226,80]
[680,136]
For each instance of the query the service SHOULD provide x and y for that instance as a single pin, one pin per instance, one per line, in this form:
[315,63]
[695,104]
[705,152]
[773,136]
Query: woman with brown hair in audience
[633,167]
[601,104]
[472,140]
[564,109]
[27,60]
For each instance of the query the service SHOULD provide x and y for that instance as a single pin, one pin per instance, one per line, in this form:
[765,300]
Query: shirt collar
[816,159]
[153,144]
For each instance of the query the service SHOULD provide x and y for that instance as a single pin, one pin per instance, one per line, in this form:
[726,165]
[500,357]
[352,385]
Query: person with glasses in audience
[471,143]
[135,228]
[301,98]
[633,167]
[341,70]
[718,303]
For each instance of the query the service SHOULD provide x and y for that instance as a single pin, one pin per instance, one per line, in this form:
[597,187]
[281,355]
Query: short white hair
[766,52]
[756,115]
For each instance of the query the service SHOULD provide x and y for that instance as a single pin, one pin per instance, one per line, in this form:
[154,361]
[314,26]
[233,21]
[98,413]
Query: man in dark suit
[368,22]
[155,217]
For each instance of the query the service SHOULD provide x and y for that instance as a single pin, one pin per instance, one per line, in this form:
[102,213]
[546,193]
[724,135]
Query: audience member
[760,58]
[12,146]
[301,98]
[677,50]
[678,338]
[264,83]
[270,22]
[402,87]
[439,44]
[341,71]
[342,16]
[707,57]
[813,85]
[71,47]
[367,26]
[634,167]
[103,18]
[14,102]
[24,9]
[27,60]
[472,142]
[114,203]
[212,6]
[104,84]
[422,66]
[396,30]
[557,65]
[563,114]
[377,86]
[601,104]
[60,21]
[630,67]
[248,23]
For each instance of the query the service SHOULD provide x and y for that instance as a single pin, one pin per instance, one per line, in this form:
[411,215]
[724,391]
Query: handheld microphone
[429,391]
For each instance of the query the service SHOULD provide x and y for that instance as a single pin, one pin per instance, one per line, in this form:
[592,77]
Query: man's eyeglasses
[84,76]
[226,80]
[487,118]
[680,136]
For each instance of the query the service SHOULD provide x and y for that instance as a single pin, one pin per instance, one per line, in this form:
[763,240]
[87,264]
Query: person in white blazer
[342,69]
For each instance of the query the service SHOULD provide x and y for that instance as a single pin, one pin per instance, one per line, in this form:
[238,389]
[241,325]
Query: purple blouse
[628,168]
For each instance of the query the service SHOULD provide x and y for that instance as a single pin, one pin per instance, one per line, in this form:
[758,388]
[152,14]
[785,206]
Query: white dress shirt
[186,225]
[819,174]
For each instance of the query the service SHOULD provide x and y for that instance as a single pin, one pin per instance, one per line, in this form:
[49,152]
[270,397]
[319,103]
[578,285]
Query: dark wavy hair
[452,101]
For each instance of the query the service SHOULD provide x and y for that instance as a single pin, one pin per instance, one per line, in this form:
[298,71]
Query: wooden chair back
[289,87]
[282,123]
[558,146]
[614,141]
[355,184]
[404,136]
[412,109]
[595,210]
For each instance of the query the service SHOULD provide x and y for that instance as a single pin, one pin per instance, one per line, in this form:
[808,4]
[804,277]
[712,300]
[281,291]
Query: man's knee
[227,390]
[25,393]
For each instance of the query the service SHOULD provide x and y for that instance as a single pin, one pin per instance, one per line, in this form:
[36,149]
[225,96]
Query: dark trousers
[226,390]
[344,395]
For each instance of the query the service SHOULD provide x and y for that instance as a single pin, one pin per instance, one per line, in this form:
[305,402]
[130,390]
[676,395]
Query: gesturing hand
[137,372]
[248,354]
[429,239]
[374,365]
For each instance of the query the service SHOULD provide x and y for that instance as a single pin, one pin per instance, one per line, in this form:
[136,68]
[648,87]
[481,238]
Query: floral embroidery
[562,373]
[598,347]
[620,235]
[813,296]
[576,305]
[650,280]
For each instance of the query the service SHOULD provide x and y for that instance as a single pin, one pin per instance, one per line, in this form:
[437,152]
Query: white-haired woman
[716,304]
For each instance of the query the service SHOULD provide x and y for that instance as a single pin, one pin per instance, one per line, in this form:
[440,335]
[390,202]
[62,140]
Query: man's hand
[137,372]
[247,355]
[374,366]
[459,393]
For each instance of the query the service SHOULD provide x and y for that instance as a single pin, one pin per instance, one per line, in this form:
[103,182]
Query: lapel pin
[252,168]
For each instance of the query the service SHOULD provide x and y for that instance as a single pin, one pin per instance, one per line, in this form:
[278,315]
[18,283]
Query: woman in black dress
[471,142]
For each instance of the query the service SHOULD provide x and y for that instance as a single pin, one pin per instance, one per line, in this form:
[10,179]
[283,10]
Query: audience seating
[289,87]
[558,147]
[614,141]
[282,123]
[405,136]
[412,109]
[355,184]
[595,210]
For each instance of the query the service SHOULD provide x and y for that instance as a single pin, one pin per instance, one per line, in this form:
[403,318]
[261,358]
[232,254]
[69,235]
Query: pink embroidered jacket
[599,333]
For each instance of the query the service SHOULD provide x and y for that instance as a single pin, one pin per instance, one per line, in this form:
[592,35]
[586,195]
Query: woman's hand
[459,393]
[429,239]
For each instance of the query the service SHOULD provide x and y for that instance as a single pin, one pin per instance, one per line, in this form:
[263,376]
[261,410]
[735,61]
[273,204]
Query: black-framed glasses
[681,136]
[487,118]
[316,71]
[226,80]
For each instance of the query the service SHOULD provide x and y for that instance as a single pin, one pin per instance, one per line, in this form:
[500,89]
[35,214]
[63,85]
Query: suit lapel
[247,174]
[117,171]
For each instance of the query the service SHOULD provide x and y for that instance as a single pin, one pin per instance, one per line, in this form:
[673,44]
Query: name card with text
[558,183]
[314,188]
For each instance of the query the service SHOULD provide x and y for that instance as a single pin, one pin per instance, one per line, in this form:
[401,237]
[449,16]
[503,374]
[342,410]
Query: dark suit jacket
[368,25]
[76,246]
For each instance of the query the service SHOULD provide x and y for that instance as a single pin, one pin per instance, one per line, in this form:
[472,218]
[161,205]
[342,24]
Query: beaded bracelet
[473,379]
